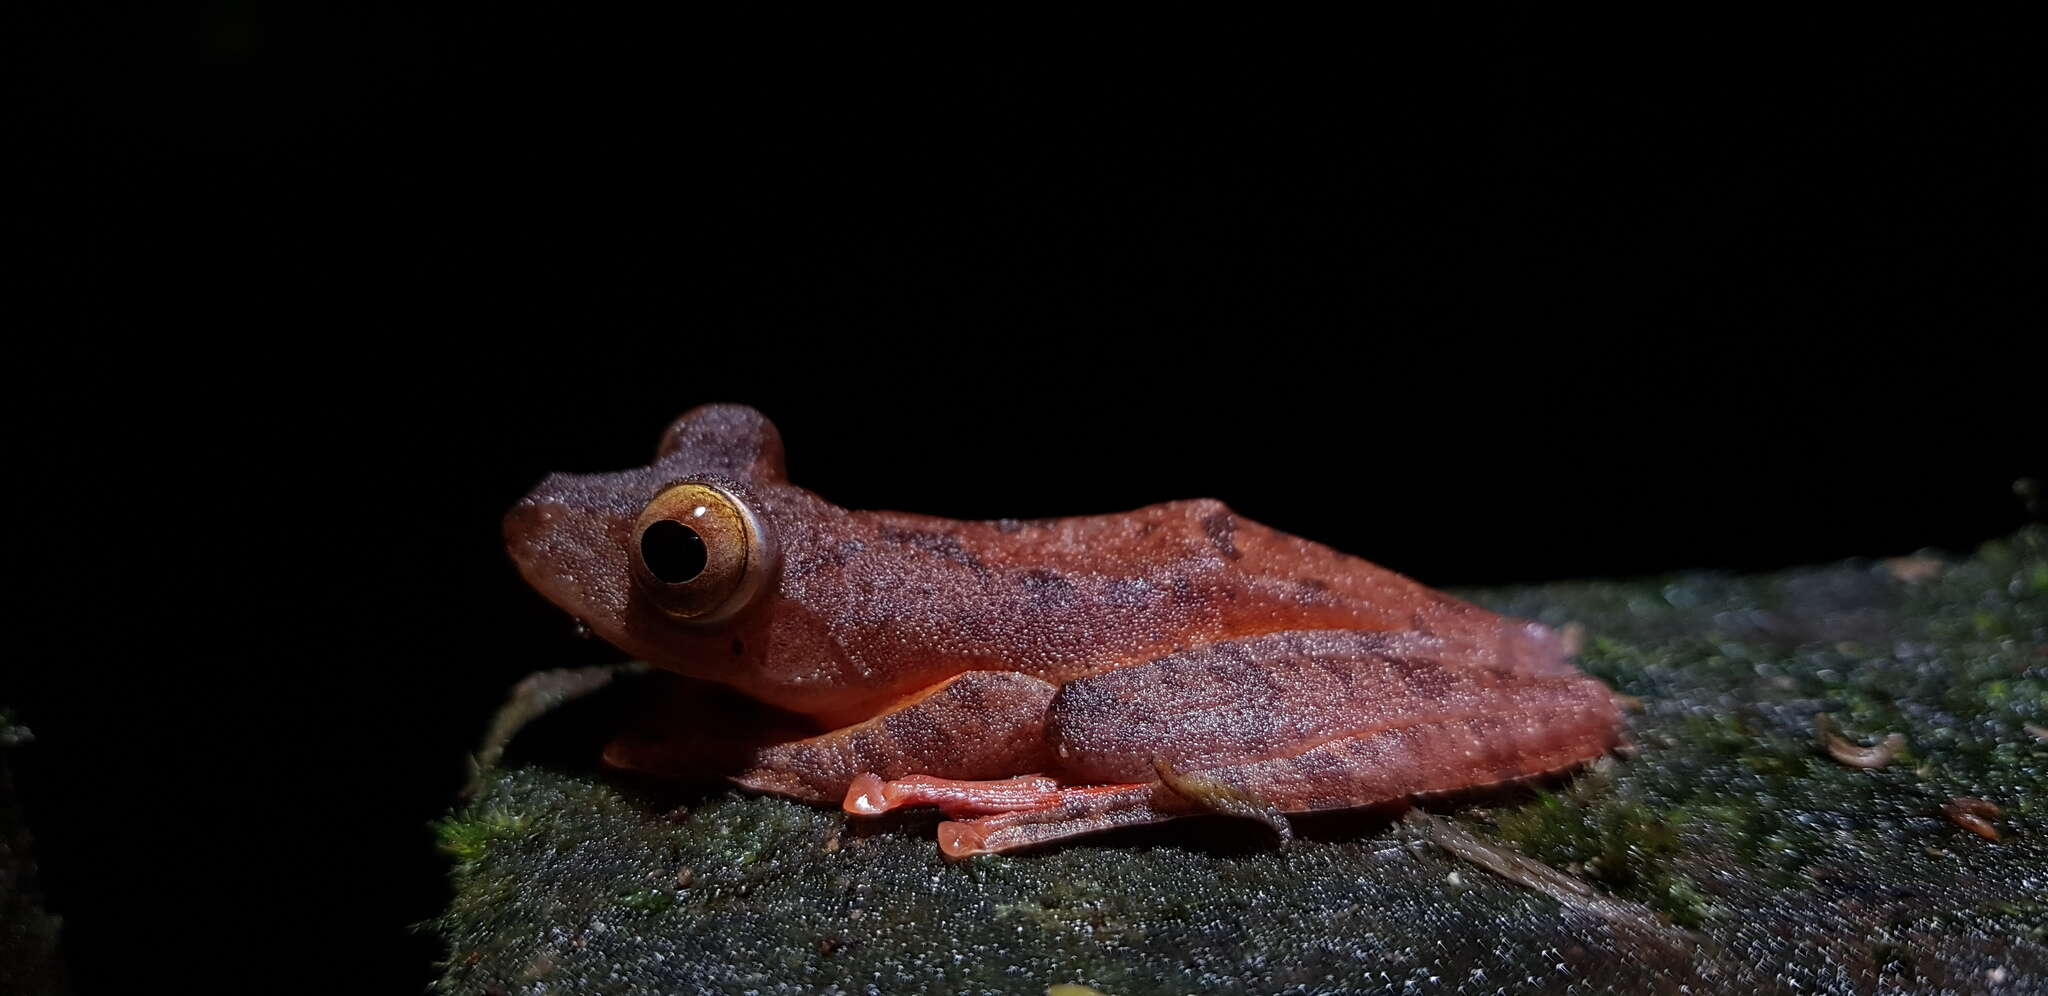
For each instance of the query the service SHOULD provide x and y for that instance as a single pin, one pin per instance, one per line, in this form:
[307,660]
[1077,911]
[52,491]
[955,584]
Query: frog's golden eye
[699,552]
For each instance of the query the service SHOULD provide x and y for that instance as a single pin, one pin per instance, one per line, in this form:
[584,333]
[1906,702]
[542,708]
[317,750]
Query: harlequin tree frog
[1035,679]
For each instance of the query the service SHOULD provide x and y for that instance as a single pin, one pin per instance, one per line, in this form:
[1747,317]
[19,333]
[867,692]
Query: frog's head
[669,555]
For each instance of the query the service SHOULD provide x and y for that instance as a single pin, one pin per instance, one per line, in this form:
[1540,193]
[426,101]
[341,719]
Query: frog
[1033,679]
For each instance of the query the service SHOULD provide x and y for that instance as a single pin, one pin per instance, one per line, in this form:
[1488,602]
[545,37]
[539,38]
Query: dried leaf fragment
[1876,756]
[1572,636]
[1217,796]
[1974,815]
[1915,569]
[537,695]
[1569,891]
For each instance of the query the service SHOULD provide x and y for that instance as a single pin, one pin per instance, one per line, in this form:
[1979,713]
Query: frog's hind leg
[979,724]
[1281,723]
[1016,813]
[1309,721]
[1074,812]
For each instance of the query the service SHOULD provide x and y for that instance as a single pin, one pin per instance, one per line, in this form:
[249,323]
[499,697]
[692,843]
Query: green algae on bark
[1786,870]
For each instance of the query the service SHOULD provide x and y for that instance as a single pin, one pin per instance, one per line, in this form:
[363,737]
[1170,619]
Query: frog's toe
[870,795]
[1013,813]
[959,839]
[1069,812]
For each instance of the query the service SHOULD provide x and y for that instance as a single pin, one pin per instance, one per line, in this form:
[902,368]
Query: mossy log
[1734,846]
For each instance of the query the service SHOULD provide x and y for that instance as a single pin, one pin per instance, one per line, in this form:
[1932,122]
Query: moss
[1681,898]
[648,900]
[468,838]
[1793,871]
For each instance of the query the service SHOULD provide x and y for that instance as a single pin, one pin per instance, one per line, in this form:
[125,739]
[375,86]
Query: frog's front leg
[975,725]
[1288,723]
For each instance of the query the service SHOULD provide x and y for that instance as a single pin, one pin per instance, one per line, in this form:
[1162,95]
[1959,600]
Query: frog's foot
[1016,813]
[1077,811]
[869,795]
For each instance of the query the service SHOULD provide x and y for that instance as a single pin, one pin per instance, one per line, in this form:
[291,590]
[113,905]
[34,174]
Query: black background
[1486,301]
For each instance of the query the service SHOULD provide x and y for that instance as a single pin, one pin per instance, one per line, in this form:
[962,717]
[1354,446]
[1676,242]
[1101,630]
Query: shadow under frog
[1034,679]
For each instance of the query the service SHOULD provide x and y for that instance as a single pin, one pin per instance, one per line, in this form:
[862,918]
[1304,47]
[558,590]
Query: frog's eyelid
[732,437]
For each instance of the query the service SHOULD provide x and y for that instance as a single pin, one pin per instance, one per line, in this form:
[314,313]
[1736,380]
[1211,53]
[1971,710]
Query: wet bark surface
[1731,847]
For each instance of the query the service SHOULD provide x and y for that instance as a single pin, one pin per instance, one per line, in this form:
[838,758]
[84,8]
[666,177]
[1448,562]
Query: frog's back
[809,607]
[1062,598]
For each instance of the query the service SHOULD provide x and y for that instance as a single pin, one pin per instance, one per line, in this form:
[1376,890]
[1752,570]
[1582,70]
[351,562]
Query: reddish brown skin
[1096,649]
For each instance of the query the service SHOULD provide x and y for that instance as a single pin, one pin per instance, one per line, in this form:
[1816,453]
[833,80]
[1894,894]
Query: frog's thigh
[980,724]
[1327,720]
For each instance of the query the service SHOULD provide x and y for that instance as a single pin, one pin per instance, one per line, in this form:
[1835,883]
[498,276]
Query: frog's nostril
[673,552]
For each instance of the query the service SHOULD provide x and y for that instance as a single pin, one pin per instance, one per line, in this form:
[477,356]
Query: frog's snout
[523,522]
[532,512]
[531,528]
[531,519]
[565,537]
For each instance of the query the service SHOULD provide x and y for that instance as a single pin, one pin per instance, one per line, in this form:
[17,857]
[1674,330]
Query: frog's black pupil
[673,552]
